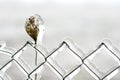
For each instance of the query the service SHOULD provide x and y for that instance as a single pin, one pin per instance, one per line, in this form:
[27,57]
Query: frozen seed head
[32,26]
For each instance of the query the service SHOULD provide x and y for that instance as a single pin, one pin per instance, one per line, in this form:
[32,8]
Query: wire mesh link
[53,52]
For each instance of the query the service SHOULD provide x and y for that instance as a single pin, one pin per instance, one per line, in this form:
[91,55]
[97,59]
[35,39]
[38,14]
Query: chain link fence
[66,62]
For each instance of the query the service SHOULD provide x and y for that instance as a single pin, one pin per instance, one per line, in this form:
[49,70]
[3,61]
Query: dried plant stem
[35,60]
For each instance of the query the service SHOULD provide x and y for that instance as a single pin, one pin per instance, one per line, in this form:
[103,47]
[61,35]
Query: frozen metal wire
[29,74]
[93,53]
[1,78]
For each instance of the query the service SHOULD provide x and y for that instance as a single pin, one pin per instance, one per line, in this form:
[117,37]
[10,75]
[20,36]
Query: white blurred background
[86,22]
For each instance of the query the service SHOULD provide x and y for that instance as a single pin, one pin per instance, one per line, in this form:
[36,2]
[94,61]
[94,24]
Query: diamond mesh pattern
[66,62]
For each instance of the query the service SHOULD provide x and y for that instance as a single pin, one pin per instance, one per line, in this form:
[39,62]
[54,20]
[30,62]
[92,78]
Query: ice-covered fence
[66,62]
